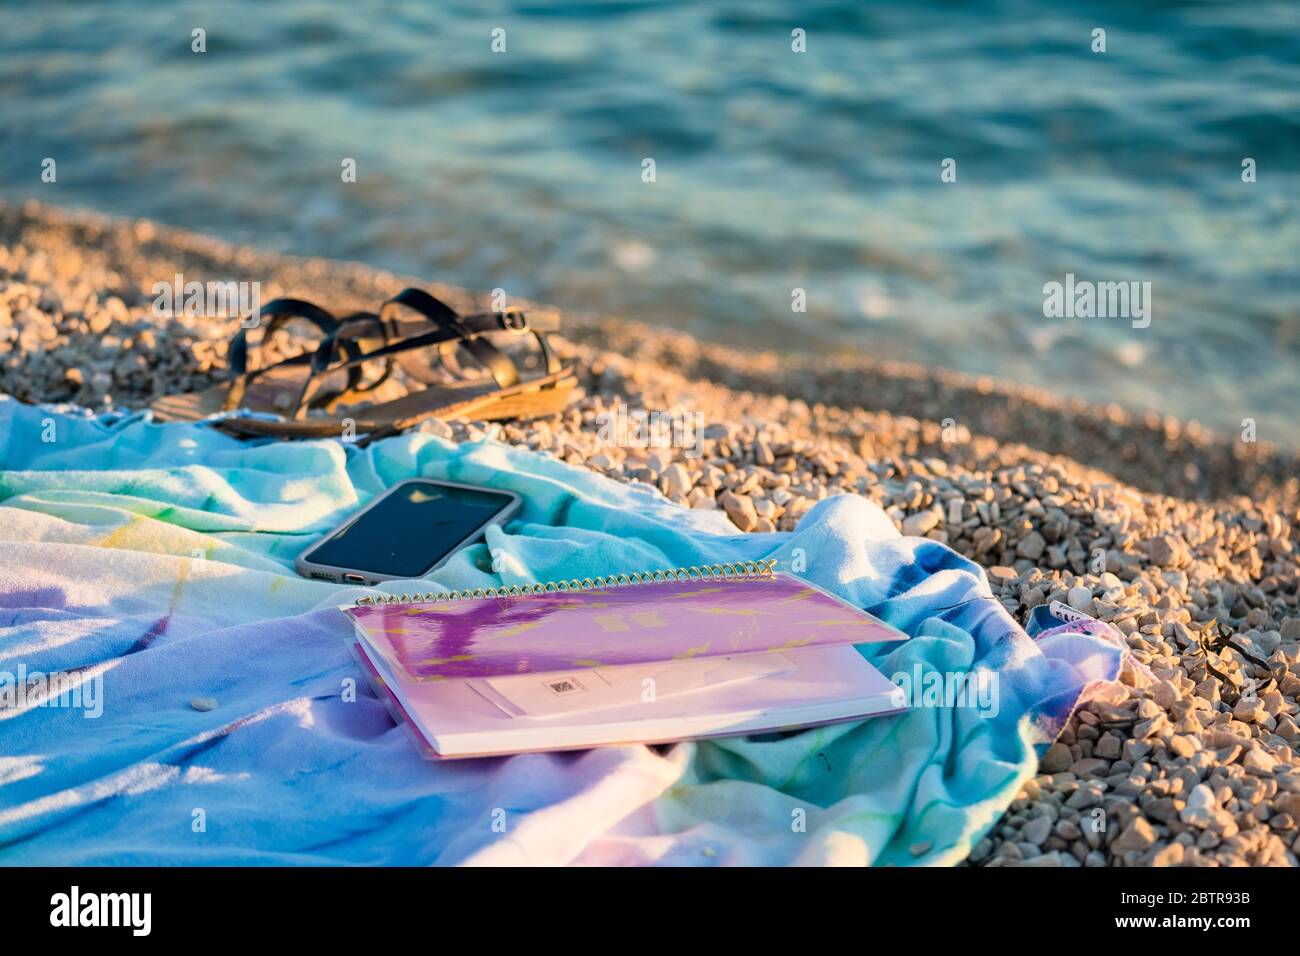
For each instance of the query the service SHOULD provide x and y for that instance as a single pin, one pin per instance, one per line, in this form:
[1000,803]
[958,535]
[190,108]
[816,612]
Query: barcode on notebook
[563,686]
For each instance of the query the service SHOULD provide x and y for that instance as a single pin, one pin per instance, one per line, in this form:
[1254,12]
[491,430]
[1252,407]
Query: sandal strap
[470,325]
[349,346]
[443,316]
[322,359]
[340,351]
[515,321]
[281,311]
[346,338]
[441,328]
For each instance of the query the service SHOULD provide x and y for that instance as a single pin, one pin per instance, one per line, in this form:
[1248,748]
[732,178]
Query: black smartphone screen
[412,528]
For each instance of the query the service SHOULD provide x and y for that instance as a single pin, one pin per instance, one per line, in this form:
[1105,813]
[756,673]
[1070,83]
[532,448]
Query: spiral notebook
[643,658]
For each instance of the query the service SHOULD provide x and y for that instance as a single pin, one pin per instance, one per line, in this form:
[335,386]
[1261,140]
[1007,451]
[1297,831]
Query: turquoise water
[774,170]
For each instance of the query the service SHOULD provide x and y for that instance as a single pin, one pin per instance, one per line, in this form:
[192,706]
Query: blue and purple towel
[149,570]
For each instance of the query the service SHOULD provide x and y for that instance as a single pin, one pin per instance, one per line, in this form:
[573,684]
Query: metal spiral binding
[707,572]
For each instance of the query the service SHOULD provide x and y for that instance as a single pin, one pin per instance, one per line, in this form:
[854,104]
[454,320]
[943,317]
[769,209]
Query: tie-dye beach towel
[213,715]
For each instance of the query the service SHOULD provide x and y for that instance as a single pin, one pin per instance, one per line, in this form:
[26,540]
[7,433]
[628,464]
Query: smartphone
[408,531]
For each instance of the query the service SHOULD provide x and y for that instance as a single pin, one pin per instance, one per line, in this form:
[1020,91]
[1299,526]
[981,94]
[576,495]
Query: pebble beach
[1155,525]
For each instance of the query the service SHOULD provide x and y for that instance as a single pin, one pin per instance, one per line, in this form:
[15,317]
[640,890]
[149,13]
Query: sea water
[798,163]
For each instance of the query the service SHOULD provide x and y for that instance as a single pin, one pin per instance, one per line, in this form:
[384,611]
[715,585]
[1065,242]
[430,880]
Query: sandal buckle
[514,322]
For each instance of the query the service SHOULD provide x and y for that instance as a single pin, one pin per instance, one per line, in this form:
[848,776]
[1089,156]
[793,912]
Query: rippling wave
[775,170]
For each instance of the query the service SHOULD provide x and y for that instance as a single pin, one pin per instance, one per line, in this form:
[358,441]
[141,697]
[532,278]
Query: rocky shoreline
[1154,525]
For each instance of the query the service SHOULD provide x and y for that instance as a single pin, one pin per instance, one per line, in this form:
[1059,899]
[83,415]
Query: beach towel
[200,706]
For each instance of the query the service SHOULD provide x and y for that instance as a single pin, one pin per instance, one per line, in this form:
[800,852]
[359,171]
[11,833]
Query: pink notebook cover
[859,691]
[628,624]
